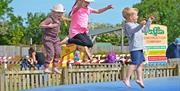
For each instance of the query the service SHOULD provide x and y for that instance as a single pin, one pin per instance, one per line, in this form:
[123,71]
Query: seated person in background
[173,50]
[77,54]
[40,60]
[32,57]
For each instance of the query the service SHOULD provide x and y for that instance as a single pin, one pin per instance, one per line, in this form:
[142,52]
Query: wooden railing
[16,80]
[86,73]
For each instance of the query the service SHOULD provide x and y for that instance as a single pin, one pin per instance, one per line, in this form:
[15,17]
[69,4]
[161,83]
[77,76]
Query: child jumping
[79,24]
[50,40]
[134,32]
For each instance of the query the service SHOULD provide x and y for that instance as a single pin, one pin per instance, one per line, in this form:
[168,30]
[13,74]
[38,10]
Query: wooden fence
[17,50]
[87,73]
[19,80]
[16,80]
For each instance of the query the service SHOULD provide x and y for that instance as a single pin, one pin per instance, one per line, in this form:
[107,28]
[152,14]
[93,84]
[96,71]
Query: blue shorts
[137,57]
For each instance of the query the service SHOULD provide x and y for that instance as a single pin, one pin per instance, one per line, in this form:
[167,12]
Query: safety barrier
[96,59]
[16,80]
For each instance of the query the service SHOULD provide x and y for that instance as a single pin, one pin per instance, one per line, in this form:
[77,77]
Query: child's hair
[126,12]
[31,50]
[72,8]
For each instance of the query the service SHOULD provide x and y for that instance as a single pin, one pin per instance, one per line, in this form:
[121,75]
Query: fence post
[20,47]
[123,71]
[178,69]
[2,76]
[65,75]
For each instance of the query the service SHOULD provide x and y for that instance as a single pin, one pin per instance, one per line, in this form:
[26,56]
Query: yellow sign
[157,52]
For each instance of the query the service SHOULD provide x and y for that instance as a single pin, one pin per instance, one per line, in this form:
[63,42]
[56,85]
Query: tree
[15,30]
[32,29]
[166,13]
[11,30]
[35,32]
[5,9]
[64,28]
[113,37]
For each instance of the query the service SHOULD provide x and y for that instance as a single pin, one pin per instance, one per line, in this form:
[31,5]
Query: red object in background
[157,58]
[152,17]
[76,62]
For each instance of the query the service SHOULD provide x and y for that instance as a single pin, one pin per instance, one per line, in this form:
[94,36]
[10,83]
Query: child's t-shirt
[134,32]
[79,21]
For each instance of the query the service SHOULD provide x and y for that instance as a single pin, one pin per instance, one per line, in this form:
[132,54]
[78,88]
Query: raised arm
[78,6]
[130,29]
[102,9]
[147,26]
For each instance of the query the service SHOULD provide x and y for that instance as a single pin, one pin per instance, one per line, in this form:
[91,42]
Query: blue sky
[113,16]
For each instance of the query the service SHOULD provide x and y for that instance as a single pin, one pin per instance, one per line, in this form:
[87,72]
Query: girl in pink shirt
[79,23]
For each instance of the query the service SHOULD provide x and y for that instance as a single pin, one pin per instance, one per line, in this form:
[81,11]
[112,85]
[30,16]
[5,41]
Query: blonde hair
[126,14]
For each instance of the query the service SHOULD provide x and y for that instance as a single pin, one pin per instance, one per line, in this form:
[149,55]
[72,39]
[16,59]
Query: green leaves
[64,29]
[4,8]
[32,29]
[15,30]
[166,13]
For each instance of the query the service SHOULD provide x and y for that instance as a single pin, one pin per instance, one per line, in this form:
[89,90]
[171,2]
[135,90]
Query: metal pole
[122,39]
[30,41]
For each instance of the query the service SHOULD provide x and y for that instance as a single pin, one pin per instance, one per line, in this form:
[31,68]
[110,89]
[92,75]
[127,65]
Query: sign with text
[155,41]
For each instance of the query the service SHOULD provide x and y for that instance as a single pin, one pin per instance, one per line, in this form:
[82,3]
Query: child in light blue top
[134,32]
[77,55]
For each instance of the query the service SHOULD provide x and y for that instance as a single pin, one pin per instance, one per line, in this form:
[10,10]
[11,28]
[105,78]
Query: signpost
[155,42]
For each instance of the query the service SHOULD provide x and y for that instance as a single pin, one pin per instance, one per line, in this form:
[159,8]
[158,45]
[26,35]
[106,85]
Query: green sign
[155,31]
[156,47]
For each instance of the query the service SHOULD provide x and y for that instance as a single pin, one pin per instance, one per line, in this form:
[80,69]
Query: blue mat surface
[153,84]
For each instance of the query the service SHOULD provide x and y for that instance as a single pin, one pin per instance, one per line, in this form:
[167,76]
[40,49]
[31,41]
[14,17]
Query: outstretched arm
[148,24]
[131,29]
[102,9]
[79,5]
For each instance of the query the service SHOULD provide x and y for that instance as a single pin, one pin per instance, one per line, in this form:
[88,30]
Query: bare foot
[140,83]
[127,83]
[64,41]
